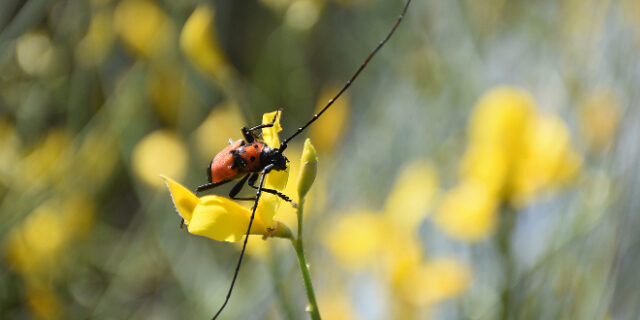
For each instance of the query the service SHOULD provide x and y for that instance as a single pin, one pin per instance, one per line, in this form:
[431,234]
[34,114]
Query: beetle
[250,159]
[244,160]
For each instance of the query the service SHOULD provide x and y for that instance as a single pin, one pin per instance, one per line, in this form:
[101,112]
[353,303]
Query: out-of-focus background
[484,166]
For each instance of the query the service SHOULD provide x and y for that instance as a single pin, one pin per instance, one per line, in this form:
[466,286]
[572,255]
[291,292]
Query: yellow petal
[200,44]
[270,135]
[184,201]
[221,219]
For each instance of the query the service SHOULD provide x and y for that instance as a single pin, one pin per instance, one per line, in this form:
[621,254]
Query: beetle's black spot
[253,158]
[255,146]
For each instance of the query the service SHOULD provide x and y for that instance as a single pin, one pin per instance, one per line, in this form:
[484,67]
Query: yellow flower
[546,160]
[144,27]
[160,151]
[199,43]
[37,245]
[500,117]
[326,131]
[387,242]
[357,239]
[468,211]
[225,117]
[224,220]
[435,280]
[412,195]
[217,217]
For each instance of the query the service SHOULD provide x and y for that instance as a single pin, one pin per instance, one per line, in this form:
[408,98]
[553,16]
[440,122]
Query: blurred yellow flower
[500,117]
[468,211]
[161,151]
[199,43]
[412,195]
[546,160]
[326,131]
[212,135]
[144,27]
[488,163]
[388,242]
[599,119]
[335,305]
[356,239]
[514,154]
[94,48]
[435,280]
[36,246]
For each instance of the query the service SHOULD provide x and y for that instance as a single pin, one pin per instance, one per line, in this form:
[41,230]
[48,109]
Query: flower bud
[308,168]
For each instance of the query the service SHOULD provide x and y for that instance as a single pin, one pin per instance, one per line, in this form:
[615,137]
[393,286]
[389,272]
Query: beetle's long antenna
[283,145]
[246,239]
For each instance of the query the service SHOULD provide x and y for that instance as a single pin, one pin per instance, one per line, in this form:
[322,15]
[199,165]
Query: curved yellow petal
[221,219]
[184,201]
[270,135]
[277,180]
[199,42]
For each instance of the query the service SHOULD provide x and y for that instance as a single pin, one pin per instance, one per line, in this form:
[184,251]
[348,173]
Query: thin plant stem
[504,237]
[304,267]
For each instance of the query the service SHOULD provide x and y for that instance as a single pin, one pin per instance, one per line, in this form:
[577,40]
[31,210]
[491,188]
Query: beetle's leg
[210,186]
[248,133]
[252,184]
[236,189]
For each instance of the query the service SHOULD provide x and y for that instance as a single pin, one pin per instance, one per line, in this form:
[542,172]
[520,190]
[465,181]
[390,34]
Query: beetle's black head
[275,157]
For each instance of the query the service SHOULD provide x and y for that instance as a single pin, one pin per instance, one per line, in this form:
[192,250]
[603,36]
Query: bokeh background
[484,166]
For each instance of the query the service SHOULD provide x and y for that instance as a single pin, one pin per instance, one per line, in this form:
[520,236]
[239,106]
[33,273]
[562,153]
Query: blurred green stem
[504,244]
[304,267]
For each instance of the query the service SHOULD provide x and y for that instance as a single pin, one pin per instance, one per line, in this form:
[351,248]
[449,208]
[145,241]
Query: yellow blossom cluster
[514,154]
[388,243]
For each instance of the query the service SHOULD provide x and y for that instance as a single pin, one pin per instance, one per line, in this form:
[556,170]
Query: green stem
[304,267]
[504,244]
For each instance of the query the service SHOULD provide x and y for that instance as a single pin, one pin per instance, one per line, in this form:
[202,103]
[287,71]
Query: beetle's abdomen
[222,165]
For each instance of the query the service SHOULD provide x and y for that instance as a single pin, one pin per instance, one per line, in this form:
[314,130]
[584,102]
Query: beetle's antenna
[246,239]
[283,145]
